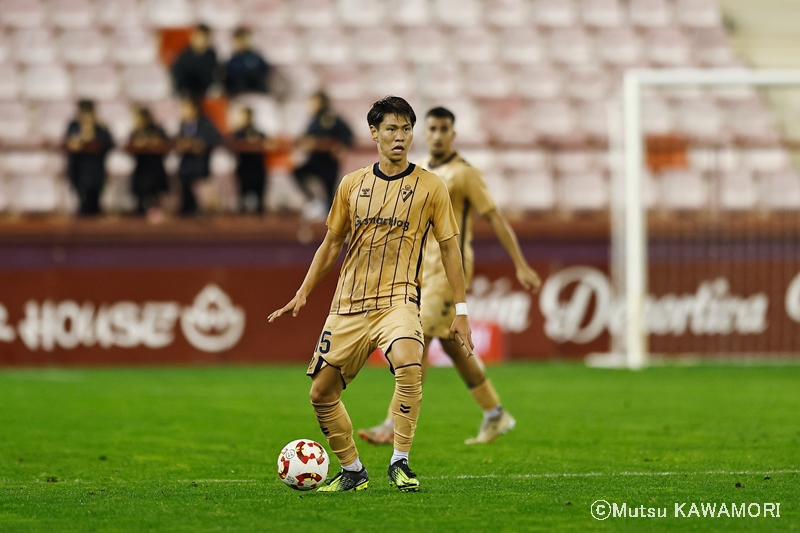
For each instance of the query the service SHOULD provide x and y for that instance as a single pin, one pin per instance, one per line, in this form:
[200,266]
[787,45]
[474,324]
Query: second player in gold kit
[469,194]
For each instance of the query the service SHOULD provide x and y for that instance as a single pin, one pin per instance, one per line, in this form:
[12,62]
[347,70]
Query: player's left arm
[451,259]
[526,275]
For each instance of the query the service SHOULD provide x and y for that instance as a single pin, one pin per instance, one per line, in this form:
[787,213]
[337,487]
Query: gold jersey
[387,219]
[468,192]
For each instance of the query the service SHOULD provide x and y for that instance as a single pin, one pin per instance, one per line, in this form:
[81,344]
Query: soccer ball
[303,464]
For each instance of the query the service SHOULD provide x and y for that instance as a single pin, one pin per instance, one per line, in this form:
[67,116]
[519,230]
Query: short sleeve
[339,217]
[444,220]
[477,192]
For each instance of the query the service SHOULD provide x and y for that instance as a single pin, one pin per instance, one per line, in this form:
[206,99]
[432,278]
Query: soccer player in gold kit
[388,211]
[468,192]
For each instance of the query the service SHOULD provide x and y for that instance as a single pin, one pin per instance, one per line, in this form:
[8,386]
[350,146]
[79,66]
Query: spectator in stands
[250,146]
[149,144]
[195,68]
[326,139]
[88,143]
[247,71]
[196,139]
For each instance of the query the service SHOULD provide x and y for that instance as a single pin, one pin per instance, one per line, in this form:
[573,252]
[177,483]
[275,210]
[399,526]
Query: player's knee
[405,352]
[320,395]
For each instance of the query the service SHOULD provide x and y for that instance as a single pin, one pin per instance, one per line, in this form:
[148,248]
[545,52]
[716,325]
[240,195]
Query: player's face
[439,134]
[394,136]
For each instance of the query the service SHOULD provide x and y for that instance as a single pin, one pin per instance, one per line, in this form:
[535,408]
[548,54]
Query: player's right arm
[324,259]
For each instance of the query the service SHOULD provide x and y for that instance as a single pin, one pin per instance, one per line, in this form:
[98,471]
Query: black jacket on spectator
[87,168]
[251,170]
[328,130]
[247,72]
[194,166]
[149,176]
[193,73]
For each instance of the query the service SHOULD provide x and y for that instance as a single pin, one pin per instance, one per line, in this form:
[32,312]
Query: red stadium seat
[362,13]
[619,47]
[554,13]
[46,82]
[602,13]
[280,46]
[458,12]
[313,13]
[425,45]
[99,82]
[650,13]
[14,124]
[522,46]
[487,80]
[507,13]
[219,14]
[668,47]
[147,83]
[538,82]
[70,13]
[34,47]
[9,82]
[22,13]
[571,46]
[698,13]
[119,13]
[473,45]
[327,46]
[266,13]
[82,47]
[375,46]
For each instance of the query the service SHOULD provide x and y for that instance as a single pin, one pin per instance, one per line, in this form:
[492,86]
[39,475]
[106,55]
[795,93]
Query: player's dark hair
[203,28]
[390,105]
[324,100]
[441,112]
[241,31]
[85,106]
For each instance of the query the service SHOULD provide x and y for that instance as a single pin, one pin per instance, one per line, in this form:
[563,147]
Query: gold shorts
[437,311]
[347,340]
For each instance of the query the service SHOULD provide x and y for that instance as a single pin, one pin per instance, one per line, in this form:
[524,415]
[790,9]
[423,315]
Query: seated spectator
[327,138]
[194,70]
[250,145]
[196,139]
[247,72]
[88,143]
[149,144]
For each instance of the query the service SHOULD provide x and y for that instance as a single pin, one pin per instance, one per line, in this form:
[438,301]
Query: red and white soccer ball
[303,464]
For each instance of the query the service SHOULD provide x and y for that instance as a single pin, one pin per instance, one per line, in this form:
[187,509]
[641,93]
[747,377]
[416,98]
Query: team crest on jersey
[407,192]
[365,192]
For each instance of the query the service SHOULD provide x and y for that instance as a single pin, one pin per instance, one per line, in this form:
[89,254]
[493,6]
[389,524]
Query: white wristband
[461,309]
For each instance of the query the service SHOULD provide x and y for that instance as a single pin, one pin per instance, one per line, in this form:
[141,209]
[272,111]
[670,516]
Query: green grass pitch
[195,450]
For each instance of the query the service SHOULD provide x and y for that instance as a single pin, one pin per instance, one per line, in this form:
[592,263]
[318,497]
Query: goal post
[629,254]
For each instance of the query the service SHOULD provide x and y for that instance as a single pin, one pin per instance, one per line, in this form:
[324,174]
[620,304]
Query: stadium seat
[531,190]
[700,119]
[99,82]
[575,161]
[147,83]
[35,193]
[750,121]
[698,13]
[327,46]
[313,13]
[657,117]
[70,13]
[166,114]
[780,191]
[587,83]
[482,159]
[354,112]
[219,14]
[411,13]
[119,13]
[553,119]
[280,46]
[713,48]
[5,193]
[9,82]
[506,13]
[14,125]
[52,119]
[668,47]
[619,47]
[34,47]
[46,82]
[487,80]
[22,13]
[266,13]
[469,124]
[554,13]
[595,120]
[737,191]
[682,190]
[424,45]
[5,52]
[521,46]
[29,162]
[170,13]
[375,46]
[506,122]
[458,12]
[525,160]
[438,81]
[120,163]
[570,46]
[117,116]
[766,160]
[601,13]
[585,191]
[133,46]
[266,113]
[362,13]
[380,80]
[537,82]
[82,47]
[650,13]
[343,82]
[473,45]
